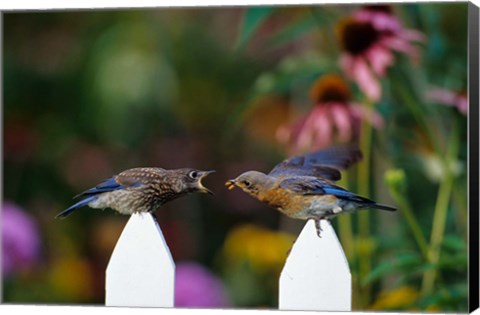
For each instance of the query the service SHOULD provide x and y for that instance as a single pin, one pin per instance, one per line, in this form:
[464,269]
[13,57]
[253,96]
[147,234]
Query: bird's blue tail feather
[65,213]
[383,207]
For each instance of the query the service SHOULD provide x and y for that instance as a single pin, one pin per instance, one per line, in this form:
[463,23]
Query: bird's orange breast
[284,201]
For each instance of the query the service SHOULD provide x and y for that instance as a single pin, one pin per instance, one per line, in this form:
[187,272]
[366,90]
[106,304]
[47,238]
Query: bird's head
[192,180]
[251,182]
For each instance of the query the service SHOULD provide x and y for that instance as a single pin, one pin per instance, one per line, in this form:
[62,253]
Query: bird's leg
[318,227]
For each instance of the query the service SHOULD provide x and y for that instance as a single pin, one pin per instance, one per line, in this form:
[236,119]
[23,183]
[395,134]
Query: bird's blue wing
[134,177]
[110,184]
[323,163]
[315,186]
[344,194]
[304,185]
[337,191]
[349,196]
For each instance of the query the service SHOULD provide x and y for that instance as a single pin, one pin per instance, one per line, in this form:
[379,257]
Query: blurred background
[88,94]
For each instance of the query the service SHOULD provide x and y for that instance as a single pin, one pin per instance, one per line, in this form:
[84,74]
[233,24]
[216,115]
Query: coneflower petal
[400,45]
[304,137]
[365,79]
[381,21]
[412,35]
[341,118]
[346,62]
[323,133]
[448,98]
[380,59]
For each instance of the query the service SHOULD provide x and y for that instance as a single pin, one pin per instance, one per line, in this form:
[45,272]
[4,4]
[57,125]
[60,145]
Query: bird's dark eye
[193,174]
[246,183]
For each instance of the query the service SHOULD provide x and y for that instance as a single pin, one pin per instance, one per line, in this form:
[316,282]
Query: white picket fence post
[141,271]
[316,275]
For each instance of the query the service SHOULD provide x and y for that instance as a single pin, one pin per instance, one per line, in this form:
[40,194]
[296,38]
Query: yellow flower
[400,298]
[72,278]
[262,248]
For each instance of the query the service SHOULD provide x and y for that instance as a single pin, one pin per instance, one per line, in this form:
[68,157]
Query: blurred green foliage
[88,94]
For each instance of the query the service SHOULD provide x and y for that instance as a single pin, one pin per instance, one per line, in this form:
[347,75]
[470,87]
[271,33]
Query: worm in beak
[230,184]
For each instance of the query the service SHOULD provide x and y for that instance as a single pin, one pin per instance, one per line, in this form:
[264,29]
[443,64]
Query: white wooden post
[316,275]
[141,271]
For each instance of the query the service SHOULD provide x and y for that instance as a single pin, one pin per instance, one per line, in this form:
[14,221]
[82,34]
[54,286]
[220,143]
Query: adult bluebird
[301,187]
[141,189]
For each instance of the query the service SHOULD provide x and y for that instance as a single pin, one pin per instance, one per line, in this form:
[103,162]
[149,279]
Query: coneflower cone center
[330,88]
[378,8]
[356,37]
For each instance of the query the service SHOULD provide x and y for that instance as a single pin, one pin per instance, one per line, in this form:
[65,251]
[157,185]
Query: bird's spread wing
[324,163]
[121,181]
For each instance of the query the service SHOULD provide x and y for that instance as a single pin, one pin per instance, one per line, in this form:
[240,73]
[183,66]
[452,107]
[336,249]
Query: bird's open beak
[200,184]
[231,184]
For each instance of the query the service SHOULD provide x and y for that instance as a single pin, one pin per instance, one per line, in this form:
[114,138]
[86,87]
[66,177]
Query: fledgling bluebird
[141,189]
[302,187]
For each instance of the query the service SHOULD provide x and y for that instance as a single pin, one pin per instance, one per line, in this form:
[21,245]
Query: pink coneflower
[369,37]
[449,98]
[333,117]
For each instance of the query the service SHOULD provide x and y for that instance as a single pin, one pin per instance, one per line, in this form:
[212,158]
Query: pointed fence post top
[141,271]
[316,275]
[308,245]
